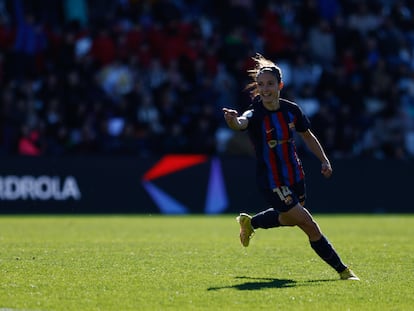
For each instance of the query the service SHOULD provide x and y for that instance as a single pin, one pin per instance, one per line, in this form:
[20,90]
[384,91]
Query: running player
[270,122]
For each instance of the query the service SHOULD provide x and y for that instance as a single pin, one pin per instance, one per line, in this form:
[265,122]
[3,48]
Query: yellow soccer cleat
[348,274]
[246,229]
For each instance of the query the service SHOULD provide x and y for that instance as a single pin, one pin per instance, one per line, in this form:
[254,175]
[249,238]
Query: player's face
[268,87]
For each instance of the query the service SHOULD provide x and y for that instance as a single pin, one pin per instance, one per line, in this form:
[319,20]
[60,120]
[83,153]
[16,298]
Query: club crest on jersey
[272,143]
[288,200]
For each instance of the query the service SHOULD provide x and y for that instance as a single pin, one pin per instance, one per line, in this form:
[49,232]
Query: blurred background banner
[191,184]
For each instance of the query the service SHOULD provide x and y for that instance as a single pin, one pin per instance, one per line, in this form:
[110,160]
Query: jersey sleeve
[248,114]
[302,123]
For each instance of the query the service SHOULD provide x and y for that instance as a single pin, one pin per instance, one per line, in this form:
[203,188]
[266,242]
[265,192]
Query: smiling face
[269,89]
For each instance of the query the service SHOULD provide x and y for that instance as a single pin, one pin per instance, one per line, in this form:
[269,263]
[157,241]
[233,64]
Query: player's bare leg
[300,216]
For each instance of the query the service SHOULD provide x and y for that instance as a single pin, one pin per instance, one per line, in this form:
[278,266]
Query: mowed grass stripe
[197,263]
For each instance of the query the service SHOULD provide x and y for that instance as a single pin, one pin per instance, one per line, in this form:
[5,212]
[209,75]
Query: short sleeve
[302,123]
[248,114]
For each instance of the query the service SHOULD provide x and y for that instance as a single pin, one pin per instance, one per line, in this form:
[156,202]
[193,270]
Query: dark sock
[266,219]
[325,250]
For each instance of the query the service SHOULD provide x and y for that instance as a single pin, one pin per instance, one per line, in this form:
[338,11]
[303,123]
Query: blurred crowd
[136,77]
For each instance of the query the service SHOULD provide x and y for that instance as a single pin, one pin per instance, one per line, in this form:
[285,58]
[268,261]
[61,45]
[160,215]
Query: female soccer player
[270,122]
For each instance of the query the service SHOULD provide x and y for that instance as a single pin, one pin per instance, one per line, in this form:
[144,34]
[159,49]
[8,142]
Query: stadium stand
[132,77]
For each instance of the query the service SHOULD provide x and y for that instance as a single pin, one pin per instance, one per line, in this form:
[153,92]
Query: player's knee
[311,228]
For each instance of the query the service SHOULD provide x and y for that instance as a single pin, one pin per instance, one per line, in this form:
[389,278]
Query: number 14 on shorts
[284,194]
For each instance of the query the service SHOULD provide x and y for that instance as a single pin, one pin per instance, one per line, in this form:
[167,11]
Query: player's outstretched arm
[234,121]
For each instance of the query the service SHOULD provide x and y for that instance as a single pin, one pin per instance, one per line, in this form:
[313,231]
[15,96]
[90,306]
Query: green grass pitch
[137,262]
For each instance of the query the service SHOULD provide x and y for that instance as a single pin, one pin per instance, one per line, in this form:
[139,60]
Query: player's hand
[326,169]
[230,114]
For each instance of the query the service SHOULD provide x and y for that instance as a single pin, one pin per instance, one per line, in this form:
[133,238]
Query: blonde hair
[262,64]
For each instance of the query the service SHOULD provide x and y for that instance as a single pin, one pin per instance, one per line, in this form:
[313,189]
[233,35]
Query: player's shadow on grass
[261,283]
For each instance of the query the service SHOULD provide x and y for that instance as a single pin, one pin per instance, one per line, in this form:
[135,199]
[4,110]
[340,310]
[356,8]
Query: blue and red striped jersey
[271,133]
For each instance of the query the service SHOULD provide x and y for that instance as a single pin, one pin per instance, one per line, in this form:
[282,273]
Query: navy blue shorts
[284,198]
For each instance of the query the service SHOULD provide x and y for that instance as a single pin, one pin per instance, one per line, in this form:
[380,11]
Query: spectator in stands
[30,142]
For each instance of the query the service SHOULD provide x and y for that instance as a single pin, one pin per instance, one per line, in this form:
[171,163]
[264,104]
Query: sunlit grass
[196,263]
